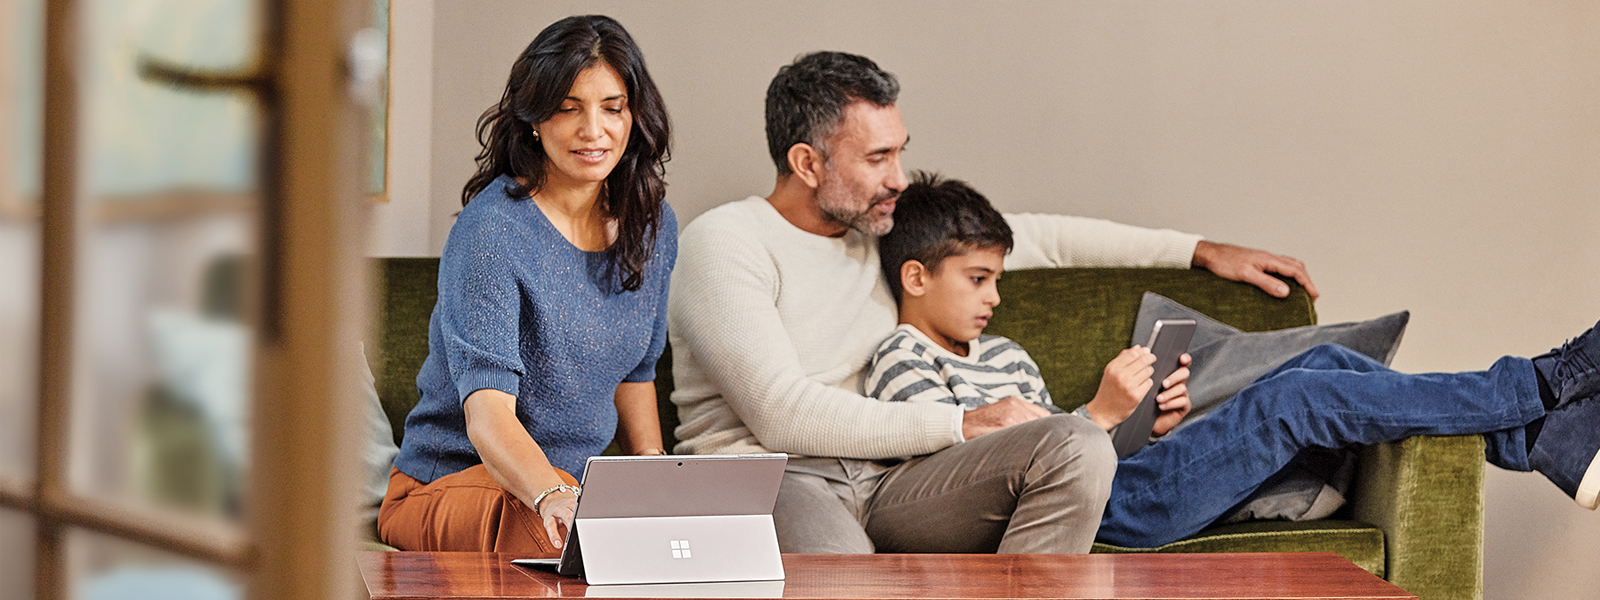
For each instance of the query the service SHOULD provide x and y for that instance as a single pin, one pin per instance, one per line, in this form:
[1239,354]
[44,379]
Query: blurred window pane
[161,397]
[148,139]
[22,83]
[21,90]
[378,117]
[16,571]
[104,568]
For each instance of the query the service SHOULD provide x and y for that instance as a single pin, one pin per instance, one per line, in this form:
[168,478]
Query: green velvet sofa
[1416,510]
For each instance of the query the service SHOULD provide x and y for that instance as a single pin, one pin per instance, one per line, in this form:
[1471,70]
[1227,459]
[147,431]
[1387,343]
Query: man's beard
[832,201]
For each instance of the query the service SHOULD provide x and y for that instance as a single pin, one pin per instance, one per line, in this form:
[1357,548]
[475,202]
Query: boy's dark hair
[937,218]
[806,99]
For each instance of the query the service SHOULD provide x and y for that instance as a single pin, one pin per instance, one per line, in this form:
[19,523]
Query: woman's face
[589,132]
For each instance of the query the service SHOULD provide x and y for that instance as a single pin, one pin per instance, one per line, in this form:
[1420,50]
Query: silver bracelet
[560,488]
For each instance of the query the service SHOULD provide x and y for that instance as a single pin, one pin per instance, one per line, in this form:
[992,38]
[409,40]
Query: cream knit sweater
[772,328]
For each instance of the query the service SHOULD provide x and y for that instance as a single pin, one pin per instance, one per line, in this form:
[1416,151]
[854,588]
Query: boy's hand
[1126,380]
[1174,399]
[1000,415]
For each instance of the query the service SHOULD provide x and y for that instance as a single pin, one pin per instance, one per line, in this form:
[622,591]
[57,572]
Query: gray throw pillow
[1226,360]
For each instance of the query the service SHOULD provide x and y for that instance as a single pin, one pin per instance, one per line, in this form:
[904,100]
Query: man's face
[862,177]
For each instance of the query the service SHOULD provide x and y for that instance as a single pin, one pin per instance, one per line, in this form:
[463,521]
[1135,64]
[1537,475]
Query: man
[778,302]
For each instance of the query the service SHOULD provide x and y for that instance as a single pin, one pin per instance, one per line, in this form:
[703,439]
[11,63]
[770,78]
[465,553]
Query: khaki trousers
[1038,487]
[461,512]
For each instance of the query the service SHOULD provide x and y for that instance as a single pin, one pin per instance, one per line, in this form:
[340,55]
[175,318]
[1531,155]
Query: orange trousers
[461,512]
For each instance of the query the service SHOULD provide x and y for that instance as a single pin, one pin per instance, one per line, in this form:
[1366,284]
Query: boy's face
[960,295]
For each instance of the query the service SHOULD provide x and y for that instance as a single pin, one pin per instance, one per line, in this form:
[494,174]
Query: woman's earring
[535,134]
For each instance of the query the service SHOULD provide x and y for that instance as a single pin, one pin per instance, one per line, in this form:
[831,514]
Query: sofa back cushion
[1071,320]
[407,291]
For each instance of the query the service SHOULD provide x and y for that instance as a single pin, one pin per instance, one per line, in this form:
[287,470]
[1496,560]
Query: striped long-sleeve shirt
[909,367]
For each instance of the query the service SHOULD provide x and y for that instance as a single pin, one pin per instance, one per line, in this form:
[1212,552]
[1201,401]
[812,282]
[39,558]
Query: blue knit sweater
[523,311]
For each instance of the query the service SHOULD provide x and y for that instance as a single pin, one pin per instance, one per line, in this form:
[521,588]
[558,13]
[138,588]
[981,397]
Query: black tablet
[1169,339]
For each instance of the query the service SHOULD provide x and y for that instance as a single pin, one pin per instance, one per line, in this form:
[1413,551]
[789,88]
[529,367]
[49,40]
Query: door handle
[187,78]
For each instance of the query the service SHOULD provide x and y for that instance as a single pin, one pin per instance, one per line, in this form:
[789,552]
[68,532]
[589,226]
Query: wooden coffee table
[391,575]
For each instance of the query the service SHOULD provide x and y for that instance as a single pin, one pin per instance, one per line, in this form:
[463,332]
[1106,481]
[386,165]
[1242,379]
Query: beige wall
[403,226]
[1437,156]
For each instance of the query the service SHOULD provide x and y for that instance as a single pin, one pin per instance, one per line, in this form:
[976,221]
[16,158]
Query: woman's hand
[515,461]
[1174,399]
[1126,380]
[557,509]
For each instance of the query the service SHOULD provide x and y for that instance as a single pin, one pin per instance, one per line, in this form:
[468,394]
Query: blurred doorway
[183,185]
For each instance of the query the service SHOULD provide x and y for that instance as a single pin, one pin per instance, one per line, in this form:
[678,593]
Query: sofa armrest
[1426,493]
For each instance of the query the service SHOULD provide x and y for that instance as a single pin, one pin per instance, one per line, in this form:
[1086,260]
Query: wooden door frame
[300,536]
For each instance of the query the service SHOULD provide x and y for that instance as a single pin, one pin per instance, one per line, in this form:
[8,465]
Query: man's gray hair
[806,99]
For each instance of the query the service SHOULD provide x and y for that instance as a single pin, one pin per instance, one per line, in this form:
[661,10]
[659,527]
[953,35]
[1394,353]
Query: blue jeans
[1328,397]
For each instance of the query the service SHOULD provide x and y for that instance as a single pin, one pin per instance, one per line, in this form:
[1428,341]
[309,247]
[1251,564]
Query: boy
[948,247]
[942,260]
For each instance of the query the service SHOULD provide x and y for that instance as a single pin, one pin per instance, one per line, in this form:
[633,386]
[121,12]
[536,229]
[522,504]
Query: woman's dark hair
[937,218]
[540,79]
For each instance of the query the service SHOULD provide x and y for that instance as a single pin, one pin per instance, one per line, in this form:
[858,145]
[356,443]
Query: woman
[552,303]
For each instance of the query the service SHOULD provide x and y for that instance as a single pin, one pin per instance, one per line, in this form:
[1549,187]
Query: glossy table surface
[865,576]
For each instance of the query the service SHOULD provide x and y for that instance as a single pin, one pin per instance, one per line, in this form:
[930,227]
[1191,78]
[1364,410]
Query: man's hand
[1174,399]
[557,510]
[1000,415]
[1253,267]
[1124,384]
